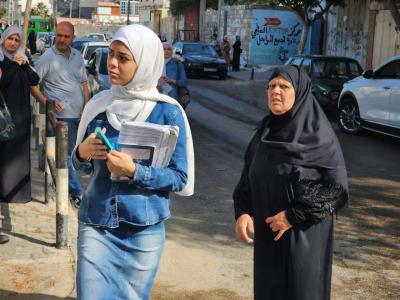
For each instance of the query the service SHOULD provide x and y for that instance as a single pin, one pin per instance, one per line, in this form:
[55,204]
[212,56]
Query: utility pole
[70,8]
[26,21]
[129,9]
[220,10]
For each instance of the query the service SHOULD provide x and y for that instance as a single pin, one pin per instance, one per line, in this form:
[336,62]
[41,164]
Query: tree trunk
[303,40]
[395,13]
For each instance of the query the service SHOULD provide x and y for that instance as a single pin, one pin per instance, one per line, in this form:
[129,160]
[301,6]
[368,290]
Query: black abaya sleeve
[316,200]
[242,193]
[33,78]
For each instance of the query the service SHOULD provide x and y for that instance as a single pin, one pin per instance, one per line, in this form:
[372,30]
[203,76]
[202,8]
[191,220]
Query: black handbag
[183,96]
[7,126]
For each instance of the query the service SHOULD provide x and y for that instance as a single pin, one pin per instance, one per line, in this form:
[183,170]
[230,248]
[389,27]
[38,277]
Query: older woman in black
[17,79]
[293,181]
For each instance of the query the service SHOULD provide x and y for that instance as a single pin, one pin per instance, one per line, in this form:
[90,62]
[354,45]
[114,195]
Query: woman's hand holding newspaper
[121,164]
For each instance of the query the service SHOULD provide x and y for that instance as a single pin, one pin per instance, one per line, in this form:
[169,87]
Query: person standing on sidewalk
[226,50]
[173,75]
[236,54]
[17,79]
[293,182]
[121,224]
[63,78]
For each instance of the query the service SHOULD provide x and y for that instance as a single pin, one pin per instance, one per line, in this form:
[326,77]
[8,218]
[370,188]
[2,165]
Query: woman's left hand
[169,80]
[278,223]
[121,164]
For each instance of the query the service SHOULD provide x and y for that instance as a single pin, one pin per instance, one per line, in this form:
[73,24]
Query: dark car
[79,43]
[200,59]
[328,74]
[96,67]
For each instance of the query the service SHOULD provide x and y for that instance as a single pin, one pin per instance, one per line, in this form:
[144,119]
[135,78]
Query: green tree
[40,10]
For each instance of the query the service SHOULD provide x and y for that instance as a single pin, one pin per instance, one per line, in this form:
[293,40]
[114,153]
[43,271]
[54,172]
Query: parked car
[79,42]
[372,101]
[89,47]
[328,74]
[96,67]
[99,36]
[200,59]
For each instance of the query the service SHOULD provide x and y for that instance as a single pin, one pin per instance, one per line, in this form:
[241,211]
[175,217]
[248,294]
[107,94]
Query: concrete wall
[238,22]
[242,20]
[347,31]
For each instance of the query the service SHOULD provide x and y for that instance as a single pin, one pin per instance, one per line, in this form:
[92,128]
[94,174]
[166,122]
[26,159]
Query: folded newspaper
[147,143]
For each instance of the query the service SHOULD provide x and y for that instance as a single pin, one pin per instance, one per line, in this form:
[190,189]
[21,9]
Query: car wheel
[348,116]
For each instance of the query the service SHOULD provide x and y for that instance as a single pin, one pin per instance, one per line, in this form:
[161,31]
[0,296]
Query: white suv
[372,101]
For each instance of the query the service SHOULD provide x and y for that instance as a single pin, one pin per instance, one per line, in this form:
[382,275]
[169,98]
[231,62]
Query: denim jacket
[145,199]
[176,70]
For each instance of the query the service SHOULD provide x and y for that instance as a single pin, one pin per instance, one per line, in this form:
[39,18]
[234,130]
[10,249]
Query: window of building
[104,10]
[134,7]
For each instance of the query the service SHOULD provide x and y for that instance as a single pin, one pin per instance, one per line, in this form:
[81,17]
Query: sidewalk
[261,73]
[31,266]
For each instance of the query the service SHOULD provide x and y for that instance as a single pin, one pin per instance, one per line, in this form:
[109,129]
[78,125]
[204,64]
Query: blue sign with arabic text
[275,36]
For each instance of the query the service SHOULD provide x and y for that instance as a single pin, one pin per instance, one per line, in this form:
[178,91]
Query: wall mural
[275,36]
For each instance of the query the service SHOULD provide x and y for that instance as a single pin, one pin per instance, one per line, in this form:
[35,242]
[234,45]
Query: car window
[103,62]
[391,70]
[92,59]
[330,69]
[354,69]
[199,49]
[297,61]
[89,51]
[306,65]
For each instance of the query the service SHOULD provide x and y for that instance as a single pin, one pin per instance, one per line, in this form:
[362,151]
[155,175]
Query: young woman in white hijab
[121,230]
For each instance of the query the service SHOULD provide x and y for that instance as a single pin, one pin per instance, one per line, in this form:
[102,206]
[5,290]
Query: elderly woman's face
[281,95]
[121,64]
[12,43]
[167,51]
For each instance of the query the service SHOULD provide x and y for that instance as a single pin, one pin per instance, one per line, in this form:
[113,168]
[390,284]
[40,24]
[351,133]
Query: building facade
[364,30]
[156,15]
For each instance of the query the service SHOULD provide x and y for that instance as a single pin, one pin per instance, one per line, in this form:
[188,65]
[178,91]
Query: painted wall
[275,36]
[347,31]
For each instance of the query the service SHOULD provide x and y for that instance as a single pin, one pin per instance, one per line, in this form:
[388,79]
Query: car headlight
[334,95]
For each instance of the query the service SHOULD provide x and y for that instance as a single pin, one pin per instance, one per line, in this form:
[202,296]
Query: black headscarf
[302,136]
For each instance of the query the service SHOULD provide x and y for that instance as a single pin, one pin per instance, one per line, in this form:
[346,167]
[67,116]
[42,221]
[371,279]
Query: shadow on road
[20,296]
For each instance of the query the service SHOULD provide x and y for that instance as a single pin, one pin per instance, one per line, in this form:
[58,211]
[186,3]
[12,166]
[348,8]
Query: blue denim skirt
[118,263]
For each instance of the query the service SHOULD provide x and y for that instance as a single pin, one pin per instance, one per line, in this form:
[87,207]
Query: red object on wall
[272,21]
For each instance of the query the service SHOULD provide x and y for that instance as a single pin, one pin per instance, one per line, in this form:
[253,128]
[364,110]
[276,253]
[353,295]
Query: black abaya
[15,154]
[294,164]
[236,56]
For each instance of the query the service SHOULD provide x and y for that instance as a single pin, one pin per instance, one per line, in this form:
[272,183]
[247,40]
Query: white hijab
[135,101]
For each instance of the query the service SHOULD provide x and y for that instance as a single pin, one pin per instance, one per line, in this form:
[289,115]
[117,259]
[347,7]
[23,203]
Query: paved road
[202,254]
